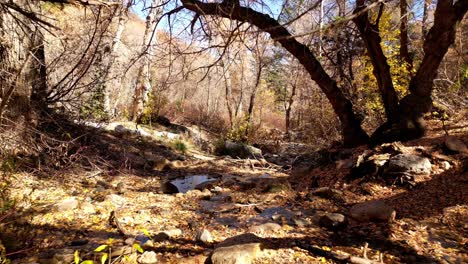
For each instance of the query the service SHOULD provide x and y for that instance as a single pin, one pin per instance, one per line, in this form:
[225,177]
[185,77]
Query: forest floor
[250,210]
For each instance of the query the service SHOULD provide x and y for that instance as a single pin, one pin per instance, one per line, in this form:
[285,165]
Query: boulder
[372,211]
[239,150]
[409,163]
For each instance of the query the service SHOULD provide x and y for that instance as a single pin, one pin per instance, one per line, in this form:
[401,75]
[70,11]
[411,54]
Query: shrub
[179,145]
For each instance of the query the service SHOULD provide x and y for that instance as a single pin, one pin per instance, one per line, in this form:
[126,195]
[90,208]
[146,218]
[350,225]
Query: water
[190,182]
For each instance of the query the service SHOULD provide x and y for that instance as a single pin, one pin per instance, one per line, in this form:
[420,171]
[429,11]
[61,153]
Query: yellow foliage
[367,84]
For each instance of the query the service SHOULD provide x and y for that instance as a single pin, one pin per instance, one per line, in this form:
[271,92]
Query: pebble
[204,236]
[265,228]
[148,257]
[333,221]
[67,204]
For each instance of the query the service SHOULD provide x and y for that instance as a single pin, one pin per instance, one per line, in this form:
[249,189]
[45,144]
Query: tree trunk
[288,110]
[427,3]
[404,53]
[108,77]
[352,132]
[38,74]
[414,105]
[143,85]
[371,36]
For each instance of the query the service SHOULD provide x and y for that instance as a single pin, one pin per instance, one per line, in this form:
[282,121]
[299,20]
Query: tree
[143,82]
[352,132]
[403,117]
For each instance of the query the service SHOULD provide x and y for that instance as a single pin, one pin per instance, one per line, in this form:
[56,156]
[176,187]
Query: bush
[179,145]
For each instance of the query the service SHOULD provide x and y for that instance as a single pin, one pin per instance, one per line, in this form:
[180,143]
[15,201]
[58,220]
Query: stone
[87,208]
[67,204]
[333,221]
[206,185]
[236,254]
[64,256]
[239,150]
[120,188]
[372,211]
[204,236]
[277,187]
[326,193]
[169,188]
[445,165]
[263,228]
[454,144]
[148,257]
[164,235]
[116,200]
[409,163]
[79,242]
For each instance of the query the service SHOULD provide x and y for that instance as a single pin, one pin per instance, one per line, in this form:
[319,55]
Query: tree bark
[414,105]
[38,74]
[143,85]
[371,37]
[352,132]
[427,3]
[404,53]
[113,55]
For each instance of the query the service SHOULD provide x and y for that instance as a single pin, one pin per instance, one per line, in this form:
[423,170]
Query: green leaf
[76,257]
[100,248]
[87,262]
[138,248]
[104,258]
[145,232]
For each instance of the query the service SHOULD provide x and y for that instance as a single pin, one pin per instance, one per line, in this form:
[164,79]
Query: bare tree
[143,82]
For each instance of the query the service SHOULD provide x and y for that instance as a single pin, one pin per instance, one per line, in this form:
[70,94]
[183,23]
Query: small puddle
[190,182]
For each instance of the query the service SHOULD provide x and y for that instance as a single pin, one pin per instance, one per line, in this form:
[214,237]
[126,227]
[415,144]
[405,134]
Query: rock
[206,185]
[148,257]
[302,222]
[87,208]
[237,254]
[149,244]
[263,228]
[239,150]
[454,144]
[204,236]
[367,165]
[119,129]
[169,188]
[116,200]
[333,221]
[67,204]
[164,235]
[120,188]
[65,256]
[445,165]
[372,211]
[130,241]
[277,187]
[79,242]
[327,193]
[409,163]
